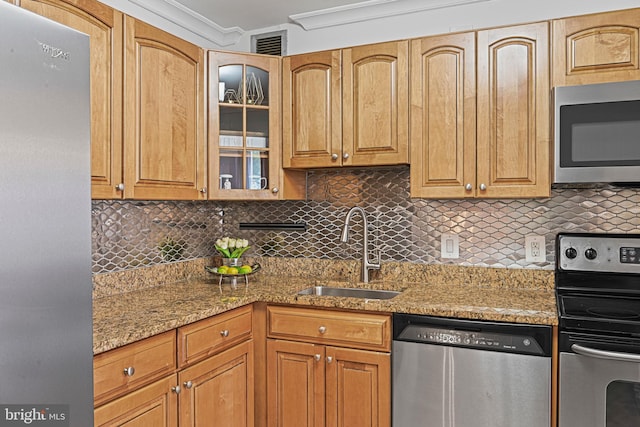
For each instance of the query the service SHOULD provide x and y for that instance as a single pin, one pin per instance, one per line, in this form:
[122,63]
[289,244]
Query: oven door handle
[604,354]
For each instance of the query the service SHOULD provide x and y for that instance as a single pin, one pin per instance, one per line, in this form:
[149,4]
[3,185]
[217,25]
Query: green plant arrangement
[231,248]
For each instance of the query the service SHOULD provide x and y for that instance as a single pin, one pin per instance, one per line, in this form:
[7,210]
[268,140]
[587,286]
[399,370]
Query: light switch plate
[449,246]
[534,249]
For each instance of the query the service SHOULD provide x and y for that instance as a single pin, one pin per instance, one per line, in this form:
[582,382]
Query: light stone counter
[122,317]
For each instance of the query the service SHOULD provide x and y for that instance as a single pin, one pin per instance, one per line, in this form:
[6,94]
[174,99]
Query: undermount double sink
[330,291]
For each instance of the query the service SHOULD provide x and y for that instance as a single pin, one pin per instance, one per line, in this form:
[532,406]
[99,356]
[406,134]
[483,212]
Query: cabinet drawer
[123,369]
[200,340]
[341,328]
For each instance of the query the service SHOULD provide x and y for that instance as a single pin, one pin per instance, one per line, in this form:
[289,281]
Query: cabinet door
[311,110]
[358,388]
[443,116]
[244,126]
[104,25]
[154,405]
[513,133]
[163,110]
[219,390]
[295,384]
[596,48]
[375,102]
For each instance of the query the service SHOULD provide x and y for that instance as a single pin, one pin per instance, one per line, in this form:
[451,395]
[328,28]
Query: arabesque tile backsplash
[130,234]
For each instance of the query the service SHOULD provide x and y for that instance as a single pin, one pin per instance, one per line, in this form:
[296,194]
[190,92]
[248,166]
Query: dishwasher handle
[605,354]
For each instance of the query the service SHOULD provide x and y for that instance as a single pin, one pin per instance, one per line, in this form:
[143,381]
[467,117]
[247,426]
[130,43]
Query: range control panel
[599,252]
[478,340]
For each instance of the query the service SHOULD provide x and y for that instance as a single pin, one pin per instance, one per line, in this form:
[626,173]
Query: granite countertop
[122,318]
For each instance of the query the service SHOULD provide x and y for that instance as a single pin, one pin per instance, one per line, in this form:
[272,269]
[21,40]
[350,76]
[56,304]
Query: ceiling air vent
[270,43]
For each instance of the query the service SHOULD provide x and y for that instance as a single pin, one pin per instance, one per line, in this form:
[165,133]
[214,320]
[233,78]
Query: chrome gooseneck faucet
[366,264]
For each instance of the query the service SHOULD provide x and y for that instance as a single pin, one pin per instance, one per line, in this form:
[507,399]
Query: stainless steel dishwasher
[462,373]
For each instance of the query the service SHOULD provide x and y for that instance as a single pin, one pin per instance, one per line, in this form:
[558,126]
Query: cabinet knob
[334,156]
[187,384]
[176,389]
[120,187]
[203,190]
[275,190]
[322,329]
[225,333]
[317,357]
[468,187]
[329,359]
[345,156]
[129,371]
[483,187]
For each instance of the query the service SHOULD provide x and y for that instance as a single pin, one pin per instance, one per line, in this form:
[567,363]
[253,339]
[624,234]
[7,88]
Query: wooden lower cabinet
[295,384]
[315,386]
[219,390]
[154,405]
[208,381]
[358,387]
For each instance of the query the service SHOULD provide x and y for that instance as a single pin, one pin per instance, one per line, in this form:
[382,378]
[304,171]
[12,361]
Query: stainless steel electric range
[597,279]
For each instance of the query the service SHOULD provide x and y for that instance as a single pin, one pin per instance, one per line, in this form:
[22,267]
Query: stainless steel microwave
[597,133]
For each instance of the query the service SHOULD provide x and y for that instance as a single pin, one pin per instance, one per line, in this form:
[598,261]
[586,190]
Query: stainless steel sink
[330,291]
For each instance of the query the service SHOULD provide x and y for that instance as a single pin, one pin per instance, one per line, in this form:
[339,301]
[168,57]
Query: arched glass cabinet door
[243,126]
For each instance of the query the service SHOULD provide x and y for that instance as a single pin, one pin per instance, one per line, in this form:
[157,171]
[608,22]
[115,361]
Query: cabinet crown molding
[368,10]
[191,21]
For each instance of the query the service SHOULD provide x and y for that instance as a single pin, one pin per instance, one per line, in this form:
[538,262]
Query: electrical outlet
[534,249]
[449,246]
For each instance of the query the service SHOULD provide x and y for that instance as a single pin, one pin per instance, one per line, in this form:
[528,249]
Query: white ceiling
[255,14]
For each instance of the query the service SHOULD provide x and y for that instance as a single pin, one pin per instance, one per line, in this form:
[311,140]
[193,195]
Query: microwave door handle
[604,354]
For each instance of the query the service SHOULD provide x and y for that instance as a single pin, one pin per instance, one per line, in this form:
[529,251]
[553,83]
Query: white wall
[466,17]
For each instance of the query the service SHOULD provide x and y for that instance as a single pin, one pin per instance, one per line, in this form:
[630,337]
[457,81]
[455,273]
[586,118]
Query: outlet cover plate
[449,246]
[534,249]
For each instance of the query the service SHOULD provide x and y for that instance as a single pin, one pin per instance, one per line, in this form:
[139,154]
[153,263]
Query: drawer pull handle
[317,357]
[225,333]
[329,359]
[187,384]
[176,389]
[322,329]
[129,371]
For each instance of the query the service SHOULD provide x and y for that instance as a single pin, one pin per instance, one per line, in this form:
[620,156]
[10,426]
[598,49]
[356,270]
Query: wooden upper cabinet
[164,115]
[104,26]
[443,116]
[480,114]
[513,132]
[375,118]
[596,48]
[346,107]
[244,126]
[311,109]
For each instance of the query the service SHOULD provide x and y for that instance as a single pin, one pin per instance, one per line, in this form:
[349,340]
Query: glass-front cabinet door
[244,126]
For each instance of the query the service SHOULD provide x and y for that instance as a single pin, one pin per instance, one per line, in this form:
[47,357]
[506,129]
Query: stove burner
[612,313]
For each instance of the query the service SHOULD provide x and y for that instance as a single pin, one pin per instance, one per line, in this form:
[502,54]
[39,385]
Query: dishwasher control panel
[522,344]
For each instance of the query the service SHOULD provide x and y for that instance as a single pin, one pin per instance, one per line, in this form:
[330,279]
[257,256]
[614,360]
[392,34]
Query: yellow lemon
[232,270]
[245,269]
[223,269]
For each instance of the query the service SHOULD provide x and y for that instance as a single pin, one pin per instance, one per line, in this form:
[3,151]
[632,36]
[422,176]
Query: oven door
[597,387]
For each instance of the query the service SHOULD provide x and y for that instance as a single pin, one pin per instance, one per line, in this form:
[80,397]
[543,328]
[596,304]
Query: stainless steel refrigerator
[45,223]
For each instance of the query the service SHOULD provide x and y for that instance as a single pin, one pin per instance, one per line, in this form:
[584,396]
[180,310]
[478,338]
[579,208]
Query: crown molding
[367,10]
[191,21]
